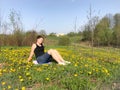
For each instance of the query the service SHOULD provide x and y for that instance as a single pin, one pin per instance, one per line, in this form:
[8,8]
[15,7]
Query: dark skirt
[45,58]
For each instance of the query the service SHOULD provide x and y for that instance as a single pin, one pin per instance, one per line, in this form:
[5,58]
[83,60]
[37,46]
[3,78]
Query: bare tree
[92,21]
[43,32]
[29,37]
[75,26]
[4,33]
[15,19]
[17,27]
[37,24]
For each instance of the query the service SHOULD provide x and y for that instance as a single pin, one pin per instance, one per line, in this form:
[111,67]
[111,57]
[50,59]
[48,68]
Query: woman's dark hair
[39,36]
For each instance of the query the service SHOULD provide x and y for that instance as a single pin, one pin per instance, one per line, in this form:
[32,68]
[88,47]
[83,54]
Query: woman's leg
[56,55]
[60,57]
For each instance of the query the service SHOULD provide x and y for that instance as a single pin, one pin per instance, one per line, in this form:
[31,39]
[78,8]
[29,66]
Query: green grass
[86,71]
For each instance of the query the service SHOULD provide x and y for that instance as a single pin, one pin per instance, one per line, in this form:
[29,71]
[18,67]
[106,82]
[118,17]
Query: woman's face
[40,40]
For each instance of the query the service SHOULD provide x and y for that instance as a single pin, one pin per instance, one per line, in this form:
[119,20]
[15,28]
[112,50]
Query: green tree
[72,34]
[103,33]
[116,29]
[0,30]
[86,36]
[52,34]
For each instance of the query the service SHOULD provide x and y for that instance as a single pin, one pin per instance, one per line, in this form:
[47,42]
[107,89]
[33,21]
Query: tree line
[106,32]
[101,32]
[12,33]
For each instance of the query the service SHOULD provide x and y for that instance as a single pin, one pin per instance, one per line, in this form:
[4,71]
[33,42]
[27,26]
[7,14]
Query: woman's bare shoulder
[34,45]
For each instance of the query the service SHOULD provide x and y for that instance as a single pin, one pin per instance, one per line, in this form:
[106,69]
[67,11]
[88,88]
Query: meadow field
[89,70]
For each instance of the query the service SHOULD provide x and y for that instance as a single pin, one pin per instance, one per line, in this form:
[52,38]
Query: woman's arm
[32,52]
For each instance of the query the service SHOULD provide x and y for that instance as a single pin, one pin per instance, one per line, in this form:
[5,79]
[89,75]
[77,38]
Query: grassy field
[98,70]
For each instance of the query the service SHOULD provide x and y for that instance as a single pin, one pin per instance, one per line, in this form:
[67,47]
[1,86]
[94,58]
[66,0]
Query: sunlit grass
[86,71]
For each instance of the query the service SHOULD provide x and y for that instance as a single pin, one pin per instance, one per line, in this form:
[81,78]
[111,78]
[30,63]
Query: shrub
[64,40]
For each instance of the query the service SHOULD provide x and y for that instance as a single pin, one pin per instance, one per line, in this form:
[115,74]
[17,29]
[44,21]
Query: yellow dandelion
[27,68]
[75,75]
[22,80]
[19,67]
[4,70]
[47,79]
[39,69]
[54,68]
[27,74]
[45,65]
[23,88]
[86,65]
[89,73]
[96,70]
[3,83]
[9,87]
[29,78]
[108,74]
[75,65]
[20,76]
[12,70]
[106,70]
[3,89]
[0,73]
[16,89]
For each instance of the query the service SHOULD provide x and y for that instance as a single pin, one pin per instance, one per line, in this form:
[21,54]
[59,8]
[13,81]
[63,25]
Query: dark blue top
[39,50]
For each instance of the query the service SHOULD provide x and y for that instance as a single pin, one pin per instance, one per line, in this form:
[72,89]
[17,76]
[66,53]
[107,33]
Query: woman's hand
[32,52]
[29,59]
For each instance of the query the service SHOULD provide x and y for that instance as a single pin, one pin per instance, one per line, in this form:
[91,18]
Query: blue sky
[57,16]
